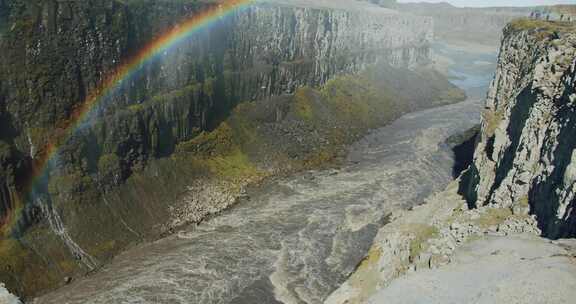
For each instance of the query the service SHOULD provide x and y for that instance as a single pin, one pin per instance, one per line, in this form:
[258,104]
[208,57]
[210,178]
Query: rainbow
[124,71]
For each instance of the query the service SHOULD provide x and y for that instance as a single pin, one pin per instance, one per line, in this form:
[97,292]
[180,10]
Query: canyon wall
[525,157]
[260,92]
[466,25]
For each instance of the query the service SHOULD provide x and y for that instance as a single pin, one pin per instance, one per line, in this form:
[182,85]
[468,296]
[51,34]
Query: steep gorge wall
[469,25]
[187,116]
[525,158]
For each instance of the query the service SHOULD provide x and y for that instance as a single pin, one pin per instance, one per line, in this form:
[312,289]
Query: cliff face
[179,140]
[469,25]
[525,158]
[57,52]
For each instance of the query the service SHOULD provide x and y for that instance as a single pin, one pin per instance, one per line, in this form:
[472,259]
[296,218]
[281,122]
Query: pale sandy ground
[513,269]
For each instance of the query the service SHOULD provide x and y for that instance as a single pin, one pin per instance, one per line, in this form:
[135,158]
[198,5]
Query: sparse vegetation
[18,266]
[492,120]
[234,165]
[217,142]
[368,268]
[543,29]
[302,105]
[421,234]
[524,201]
[109,167]
[493,217]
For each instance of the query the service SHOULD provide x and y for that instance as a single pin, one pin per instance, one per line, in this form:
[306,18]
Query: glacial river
[295,240]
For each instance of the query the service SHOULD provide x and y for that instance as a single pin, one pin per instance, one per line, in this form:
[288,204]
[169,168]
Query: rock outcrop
[427,237]
[525,159]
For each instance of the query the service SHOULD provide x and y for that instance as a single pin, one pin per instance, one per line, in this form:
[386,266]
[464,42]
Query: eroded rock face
[525,157]
[57,52]
[476,26]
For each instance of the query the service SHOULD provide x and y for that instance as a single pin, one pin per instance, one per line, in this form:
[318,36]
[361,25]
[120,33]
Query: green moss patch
[206,144]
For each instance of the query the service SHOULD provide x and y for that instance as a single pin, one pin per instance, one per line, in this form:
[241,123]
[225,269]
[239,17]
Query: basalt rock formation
[466,25]
[525,157]
[262,91]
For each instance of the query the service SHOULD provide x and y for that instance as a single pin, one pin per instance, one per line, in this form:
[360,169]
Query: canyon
[294,240]
[284,152]
[263,91]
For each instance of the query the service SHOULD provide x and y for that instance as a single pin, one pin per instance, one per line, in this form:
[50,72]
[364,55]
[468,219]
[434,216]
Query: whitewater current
[294,240]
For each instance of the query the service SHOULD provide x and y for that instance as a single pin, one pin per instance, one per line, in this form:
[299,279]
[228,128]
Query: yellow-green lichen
[302,104]
[367,276]
[421,234]
[20,268]
[524,201]
[542,29]
[493,217]
[220,154]
[492,120]
[355,99]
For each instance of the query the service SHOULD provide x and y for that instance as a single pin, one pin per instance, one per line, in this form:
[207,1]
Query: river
[293,240]
[296,239]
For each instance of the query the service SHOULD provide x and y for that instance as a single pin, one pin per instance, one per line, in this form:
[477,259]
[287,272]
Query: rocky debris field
[443,252]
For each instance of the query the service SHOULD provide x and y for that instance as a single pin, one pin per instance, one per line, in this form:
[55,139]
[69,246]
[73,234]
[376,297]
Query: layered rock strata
[525,156]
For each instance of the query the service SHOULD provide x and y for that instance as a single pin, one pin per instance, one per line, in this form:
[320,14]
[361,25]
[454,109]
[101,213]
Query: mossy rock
[421,234]
[110,168]
[492,120]
[209,143]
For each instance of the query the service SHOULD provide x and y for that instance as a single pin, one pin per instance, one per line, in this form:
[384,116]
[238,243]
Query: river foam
[6,297]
